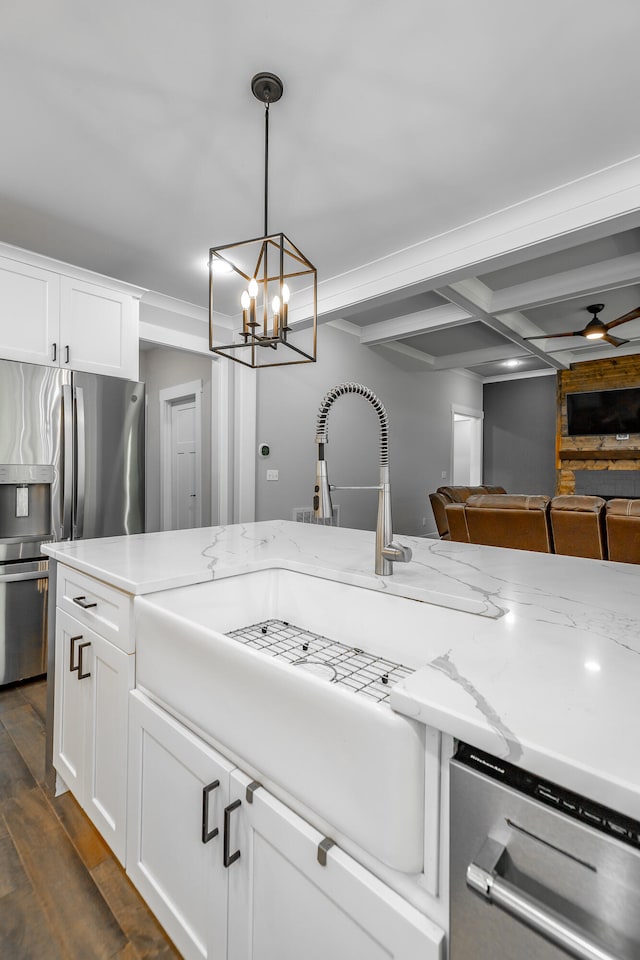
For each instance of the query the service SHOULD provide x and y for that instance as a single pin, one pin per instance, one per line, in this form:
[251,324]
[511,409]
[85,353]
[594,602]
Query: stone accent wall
[600,452]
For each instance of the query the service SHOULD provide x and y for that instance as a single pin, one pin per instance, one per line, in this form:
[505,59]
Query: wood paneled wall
[601,452]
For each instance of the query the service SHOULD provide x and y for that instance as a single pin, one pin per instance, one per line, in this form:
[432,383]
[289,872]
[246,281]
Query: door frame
[478,417]
[169,398]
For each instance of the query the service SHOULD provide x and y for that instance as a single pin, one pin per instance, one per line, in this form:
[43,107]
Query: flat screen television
[603,412]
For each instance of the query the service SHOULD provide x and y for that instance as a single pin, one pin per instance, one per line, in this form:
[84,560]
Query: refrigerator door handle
[80,462]
[67,476]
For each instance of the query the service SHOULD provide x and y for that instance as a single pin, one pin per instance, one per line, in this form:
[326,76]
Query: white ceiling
[132,143]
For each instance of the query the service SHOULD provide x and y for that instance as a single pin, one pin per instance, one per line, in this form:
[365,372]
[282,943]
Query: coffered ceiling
[413,141]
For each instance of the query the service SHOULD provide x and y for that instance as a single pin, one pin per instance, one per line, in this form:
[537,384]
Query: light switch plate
[272,474]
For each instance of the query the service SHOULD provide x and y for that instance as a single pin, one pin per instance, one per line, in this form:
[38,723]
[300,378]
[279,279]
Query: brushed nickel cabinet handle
[206,792]
[228,858]
[84,603]
[72,649]
[81,646]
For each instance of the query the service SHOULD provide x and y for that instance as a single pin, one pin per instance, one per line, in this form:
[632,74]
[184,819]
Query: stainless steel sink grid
[372,677]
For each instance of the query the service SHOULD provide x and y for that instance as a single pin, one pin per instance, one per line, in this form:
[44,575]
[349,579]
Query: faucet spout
[387,552]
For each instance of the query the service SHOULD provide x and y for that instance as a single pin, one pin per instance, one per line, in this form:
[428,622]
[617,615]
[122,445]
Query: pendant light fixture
[259,283]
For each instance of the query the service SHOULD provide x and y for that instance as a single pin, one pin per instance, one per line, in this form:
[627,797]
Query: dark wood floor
[63,896]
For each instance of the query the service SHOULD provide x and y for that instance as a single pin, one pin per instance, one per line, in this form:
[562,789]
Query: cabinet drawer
[102,608]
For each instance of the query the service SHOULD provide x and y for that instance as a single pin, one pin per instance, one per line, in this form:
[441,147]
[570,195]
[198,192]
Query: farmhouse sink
[344,755]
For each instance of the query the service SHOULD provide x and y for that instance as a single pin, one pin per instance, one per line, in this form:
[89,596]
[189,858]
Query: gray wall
[161,368]
[418,402]
[520,435]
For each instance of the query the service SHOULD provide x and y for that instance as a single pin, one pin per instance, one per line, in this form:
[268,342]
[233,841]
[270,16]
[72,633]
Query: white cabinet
[29,313]
[178,790]
[255,890]
[57,320]
[98,329]
[284,904]
[93,680]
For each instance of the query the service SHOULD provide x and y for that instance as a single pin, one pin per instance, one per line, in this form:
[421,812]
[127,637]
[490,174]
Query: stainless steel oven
[537,872]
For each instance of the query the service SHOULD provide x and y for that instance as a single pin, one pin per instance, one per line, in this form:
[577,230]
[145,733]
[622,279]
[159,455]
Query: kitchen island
[533,658]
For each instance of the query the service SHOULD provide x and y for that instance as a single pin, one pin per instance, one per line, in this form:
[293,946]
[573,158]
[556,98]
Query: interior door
[109,456]
[184,494]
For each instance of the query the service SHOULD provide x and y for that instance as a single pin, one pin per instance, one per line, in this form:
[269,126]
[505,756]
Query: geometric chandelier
[258,281]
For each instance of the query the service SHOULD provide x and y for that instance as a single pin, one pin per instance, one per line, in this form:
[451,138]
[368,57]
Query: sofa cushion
[512,520]
[577,524]
[445,495]
[623,530]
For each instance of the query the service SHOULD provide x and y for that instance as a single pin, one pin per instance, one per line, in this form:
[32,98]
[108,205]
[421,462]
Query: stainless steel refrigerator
[71,467]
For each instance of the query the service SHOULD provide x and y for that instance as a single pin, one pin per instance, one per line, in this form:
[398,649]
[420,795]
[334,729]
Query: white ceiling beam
[606,275]
[178,340]
[579,211]
[467,295]
[472,358]
[424,359]
[523,375]
[423,321]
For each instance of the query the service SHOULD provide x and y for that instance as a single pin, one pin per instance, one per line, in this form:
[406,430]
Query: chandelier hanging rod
[268,88]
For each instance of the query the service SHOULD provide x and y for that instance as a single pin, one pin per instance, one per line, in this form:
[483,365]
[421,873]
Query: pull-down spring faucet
[386,550]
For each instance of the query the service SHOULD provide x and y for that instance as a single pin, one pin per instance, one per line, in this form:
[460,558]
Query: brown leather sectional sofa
[571,525]
[445,495]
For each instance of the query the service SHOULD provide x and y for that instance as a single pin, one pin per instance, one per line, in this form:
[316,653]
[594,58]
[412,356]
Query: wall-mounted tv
[603,412]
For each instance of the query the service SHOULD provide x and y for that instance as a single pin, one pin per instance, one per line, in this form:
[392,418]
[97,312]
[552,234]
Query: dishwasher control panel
[580,808]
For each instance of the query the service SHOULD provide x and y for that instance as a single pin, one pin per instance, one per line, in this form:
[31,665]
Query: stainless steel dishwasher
[537,872]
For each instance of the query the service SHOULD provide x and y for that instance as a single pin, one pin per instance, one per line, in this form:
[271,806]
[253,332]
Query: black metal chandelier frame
[261,330]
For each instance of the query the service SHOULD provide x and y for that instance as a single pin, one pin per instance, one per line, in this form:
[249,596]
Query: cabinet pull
[81,646]
[72,650]
[251,789]
[67,354]
[54,352]
[323,849]
[227,858]
[206,833]
[84,603]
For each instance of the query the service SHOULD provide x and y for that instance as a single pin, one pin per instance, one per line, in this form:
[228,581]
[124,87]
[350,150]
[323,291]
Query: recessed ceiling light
[512,363]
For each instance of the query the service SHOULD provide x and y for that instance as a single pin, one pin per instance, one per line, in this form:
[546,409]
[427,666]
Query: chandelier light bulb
[275,305]
[285,293]
[245,300]
[253,288]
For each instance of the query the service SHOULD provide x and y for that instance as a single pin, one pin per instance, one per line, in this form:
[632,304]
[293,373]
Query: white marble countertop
[545,673]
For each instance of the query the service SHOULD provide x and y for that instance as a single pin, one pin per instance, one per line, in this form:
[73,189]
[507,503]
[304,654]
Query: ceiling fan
[595,328]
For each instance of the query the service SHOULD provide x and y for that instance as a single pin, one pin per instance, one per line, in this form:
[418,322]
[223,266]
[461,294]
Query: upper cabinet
[29,313]
[51,318]
[98,329]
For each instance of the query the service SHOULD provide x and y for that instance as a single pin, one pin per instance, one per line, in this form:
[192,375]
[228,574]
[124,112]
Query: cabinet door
[70,706]
[178,789]
[105,791]
[29,313]
[284,904]
[98,329]
[93,679]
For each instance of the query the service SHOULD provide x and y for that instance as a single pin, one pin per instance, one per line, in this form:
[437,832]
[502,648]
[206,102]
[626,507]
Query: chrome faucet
[386,550]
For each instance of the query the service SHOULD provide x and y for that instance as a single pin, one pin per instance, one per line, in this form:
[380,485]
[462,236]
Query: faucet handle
[397,552]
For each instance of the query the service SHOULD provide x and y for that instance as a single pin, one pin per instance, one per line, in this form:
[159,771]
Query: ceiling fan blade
[614,341]
[632,315]
[545,336]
